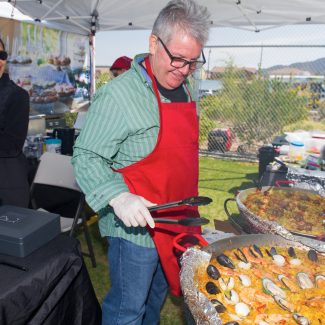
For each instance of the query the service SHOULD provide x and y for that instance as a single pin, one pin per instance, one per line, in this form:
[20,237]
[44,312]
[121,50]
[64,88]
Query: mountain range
[316,67]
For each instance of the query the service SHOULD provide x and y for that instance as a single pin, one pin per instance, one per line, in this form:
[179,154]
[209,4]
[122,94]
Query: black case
[22,231]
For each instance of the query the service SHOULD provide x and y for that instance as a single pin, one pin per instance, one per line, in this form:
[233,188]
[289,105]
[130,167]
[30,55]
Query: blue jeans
[138,285]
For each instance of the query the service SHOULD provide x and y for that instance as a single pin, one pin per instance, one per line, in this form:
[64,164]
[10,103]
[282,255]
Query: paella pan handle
[321,237]
[225,206]
[177,241]
[280,182]
[242,228]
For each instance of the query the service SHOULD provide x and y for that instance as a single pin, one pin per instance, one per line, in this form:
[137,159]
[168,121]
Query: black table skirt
[55,289]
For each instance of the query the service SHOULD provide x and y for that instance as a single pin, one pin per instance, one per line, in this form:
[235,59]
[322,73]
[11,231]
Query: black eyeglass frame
[197,64]
[3,55]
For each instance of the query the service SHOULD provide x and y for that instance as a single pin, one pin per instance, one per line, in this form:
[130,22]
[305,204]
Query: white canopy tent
[90,16]
[86,16]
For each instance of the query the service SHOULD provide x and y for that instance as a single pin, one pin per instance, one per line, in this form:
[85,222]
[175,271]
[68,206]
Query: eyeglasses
[177,62]
[3,55]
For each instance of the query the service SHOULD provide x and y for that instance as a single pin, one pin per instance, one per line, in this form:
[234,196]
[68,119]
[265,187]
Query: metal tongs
[191,201]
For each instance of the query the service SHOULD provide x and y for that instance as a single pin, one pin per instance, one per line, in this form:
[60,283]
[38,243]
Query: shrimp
[318,302]
[273,319]
[276,269]
[250,296]
[261,274]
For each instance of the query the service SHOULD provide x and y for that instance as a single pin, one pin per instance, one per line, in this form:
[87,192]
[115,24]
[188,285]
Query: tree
[256,109]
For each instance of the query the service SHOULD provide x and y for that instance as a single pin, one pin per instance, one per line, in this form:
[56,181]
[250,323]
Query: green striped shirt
[121,128]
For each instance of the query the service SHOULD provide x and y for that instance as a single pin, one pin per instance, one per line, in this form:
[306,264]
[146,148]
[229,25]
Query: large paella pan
[254,279]
[280,210]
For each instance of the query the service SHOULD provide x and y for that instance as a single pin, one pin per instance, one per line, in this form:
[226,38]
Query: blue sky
[110,45]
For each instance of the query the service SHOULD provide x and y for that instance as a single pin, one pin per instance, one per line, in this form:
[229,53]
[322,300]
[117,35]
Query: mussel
[304,281]
[288,283]
[212,288]
[257,250]
[242,310]
[213,272]
[245,280]
[272,289]
[312,255]
[252,252]
[278,260]
[301,320]
[231,323]
[240,255]
[291,252]
[224,260]
[231,297]
[243,265]
[273,251]
[320,281]
[294,259]
[220,308]
[284,304]
[227,284]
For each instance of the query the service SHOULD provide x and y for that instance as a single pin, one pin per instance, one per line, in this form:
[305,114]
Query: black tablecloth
[55,289]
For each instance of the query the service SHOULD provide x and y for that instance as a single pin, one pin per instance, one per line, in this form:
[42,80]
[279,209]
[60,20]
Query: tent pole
[93,65]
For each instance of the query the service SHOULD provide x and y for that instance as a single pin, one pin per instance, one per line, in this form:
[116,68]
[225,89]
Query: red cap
[122,62]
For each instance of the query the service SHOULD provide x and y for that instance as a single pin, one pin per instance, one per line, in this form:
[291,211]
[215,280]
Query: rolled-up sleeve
[95,149]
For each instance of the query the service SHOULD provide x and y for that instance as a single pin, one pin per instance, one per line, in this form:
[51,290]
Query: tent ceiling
[82,16]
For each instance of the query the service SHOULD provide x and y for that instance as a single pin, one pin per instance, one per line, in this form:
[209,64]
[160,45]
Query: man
[120,65]
[139,147]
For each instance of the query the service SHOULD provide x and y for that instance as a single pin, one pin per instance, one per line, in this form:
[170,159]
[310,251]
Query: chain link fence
[256,86]
[259,87]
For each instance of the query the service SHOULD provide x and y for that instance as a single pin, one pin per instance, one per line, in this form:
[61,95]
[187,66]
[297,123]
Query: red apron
[169,173]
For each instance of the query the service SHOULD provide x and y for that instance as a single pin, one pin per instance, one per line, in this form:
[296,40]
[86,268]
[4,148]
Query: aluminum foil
[201,309]
[269,227]
[313,180]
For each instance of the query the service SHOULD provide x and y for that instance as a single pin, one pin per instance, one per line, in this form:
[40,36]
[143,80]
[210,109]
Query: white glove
[132,210]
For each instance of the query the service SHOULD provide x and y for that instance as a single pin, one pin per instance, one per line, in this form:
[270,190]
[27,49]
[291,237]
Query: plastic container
[53,145]
[313,162]
[317,143]
[296,151]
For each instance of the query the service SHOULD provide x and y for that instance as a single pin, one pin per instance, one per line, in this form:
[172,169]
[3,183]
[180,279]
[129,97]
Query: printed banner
[52,65]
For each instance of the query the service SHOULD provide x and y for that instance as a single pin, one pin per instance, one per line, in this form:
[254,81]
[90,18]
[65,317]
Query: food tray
[201,309]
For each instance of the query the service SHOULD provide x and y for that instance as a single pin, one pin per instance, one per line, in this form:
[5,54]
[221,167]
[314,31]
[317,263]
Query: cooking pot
[251,223]
[201,309]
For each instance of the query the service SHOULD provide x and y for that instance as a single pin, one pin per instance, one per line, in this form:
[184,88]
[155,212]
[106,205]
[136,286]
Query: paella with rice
[265,285]
[297,211]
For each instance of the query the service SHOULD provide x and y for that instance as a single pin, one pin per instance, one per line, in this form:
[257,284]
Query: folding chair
[55,189]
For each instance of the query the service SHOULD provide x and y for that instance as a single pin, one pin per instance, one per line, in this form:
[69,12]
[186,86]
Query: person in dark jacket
[14,117]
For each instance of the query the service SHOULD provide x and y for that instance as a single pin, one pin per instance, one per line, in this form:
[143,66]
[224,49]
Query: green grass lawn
[219,179]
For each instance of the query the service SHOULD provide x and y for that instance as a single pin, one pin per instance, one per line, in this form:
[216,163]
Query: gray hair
[183,16]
